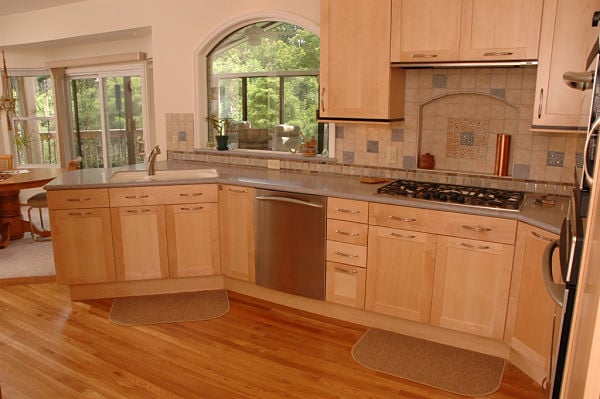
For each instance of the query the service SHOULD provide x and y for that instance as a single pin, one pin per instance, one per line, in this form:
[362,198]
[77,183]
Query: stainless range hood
[464,64]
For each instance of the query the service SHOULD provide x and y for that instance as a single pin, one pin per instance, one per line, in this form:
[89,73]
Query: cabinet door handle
[190,194]
[345,233]
[540,103]
[137,196]
[541,237]
[80,213]
[398,235]
[187,208]
[345,254]
[421,55]
[351,211]
[233,190]
[471,246]
[138,210]
[476,228]
[402,219]
[82,199]
[497,53]
[323,99]
[347,271]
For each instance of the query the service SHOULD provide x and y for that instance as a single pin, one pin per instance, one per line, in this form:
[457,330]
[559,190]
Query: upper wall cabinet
[465,30]
[356,79]
[566,39]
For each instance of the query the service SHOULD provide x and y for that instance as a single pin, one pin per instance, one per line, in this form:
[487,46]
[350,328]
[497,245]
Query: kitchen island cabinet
[81,236]
[356,80]
[236,222]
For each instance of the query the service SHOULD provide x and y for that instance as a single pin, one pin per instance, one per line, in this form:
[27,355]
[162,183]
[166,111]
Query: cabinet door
[472,280]
[425,30]
[236,224]
[566,40]
[500,30]
[140,242]
[193,239]
[82,246]
[400,269]
[346,284]
[531,310]
[356,79]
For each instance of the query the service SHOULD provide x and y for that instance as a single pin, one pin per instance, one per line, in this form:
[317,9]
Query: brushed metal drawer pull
[137,196]
[402,235]
[541,237]
[83,199]
[464,244]
[233,190]
[423,55]
[80,213]
[345,233]
[138,210]
[187,208]
[352,211]
[345,254]
[496,53]
[347,271]
[476,228]
[402,219]
[190,194]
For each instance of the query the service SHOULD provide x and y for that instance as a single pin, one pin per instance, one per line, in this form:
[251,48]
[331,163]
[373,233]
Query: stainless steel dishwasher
[290,242]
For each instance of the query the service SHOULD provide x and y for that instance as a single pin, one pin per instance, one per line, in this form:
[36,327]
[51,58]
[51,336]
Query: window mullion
[281,99]
[244,98]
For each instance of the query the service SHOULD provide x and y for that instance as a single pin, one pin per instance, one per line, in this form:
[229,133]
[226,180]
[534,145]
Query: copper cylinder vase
[502,154]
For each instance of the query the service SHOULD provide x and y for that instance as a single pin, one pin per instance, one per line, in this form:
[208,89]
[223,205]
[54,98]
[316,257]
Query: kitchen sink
[162,175]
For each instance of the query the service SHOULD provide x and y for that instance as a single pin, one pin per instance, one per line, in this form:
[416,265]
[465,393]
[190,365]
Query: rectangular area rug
[169,308]
[440,366]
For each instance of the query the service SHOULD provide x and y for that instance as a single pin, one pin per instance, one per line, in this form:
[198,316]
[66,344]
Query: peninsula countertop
[532,212]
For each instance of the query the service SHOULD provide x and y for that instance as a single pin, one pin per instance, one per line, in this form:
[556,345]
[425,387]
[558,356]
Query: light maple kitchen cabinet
[139,229]
[236,222]
[471,285]
[400,271]
[356,80]
[81,236]
[465,30]
[530,318]
[566,40]
[346,254]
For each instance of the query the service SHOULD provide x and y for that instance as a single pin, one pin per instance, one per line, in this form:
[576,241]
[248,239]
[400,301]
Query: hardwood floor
[51,347]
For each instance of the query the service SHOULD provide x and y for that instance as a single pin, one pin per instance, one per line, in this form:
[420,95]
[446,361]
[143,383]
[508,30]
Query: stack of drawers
[347,232]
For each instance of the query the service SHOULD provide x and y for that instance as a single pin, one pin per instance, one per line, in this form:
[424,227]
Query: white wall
[178,28]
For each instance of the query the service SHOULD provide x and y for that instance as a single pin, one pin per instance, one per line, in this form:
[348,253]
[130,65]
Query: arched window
[263,88]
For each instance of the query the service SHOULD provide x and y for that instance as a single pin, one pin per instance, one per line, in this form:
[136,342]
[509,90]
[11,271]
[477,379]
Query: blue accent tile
[440,81]
[397,135]
[373,146]
[409,162]
[555,158]
[348,157]
[579,159]
[520,171]
[467,138]
[182,136]
[498,93]
[339,132]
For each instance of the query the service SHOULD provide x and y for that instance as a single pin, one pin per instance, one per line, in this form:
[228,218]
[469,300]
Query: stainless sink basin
[162,175]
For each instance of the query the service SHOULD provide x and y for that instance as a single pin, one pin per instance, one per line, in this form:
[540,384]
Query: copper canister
[502,154]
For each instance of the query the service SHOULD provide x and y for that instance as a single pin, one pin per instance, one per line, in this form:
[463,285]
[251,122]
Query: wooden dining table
[12,224]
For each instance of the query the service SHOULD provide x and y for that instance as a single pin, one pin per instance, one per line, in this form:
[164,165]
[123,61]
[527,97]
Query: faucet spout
[151,159]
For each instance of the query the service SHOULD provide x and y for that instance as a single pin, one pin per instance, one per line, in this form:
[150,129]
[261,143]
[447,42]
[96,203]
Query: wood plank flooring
[51,347]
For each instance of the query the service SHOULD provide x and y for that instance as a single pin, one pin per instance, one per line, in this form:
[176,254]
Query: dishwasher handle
[290,200]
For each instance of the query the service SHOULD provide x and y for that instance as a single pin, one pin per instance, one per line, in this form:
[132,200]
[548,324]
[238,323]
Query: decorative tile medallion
[467,138]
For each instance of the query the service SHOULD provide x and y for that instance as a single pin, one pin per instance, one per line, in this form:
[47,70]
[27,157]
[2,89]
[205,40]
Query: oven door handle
[587,174]
[556,290]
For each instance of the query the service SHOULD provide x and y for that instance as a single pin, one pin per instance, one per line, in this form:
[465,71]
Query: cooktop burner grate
[456,194]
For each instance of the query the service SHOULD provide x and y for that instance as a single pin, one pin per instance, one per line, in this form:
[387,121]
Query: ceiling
[17,6]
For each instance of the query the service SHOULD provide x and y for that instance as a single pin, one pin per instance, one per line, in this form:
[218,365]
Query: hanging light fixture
[7,102]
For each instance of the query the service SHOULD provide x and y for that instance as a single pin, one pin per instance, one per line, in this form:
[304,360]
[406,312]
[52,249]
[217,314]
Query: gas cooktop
[456,194]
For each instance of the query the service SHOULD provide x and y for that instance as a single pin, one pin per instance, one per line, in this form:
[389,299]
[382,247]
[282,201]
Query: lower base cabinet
[346,284]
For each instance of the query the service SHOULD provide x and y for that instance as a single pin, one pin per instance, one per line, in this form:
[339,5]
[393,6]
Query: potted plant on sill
[221,126]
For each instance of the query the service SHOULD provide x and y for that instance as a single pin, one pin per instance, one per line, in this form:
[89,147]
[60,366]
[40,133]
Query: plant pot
[222,143]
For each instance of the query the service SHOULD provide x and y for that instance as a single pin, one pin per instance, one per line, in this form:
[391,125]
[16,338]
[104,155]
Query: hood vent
[464,64]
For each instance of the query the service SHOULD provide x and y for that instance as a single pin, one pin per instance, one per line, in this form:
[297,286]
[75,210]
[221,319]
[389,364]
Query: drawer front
[350,254]
[346,284]
[475,227]
[75,199]
[350,210]
[156,195]
[350,232]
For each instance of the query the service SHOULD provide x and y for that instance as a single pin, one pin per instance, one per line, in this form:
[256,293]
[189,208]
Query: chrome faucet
[151,159]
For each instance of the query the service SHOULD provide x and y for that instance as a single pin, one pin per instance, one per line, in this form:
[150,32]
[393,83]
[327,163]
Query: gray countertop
[548,218]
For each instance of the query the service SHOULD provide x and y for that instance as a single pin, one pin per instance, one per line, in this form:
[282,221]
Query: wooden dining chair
[39,201]
[6,162]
